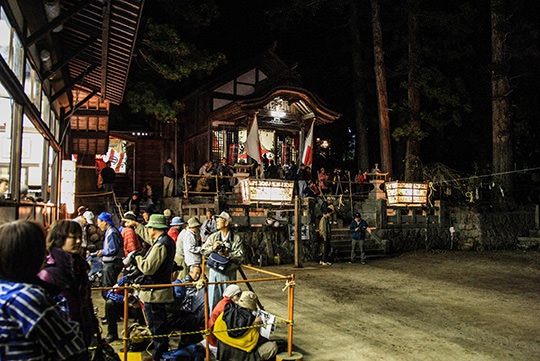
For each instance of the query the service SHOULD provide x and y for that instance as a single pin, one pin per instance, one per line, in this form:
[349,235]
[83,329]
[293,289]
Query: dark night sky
[320,46]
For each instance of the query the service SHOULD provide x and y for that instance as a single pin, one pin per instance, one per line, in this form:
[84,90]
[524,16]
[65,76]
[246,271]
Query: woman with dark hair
[68,271]
[32,327]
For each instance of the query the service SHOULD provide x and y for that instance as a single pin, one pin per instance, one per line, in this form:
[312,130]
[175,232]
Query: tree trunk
[412,154]
[362,147]
[380,76]
[502,156]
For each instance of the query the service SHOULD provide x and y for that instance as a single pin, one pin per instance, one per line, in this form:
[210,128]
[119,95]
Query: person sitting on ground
[236,343]
[189,310]
[68,271]
[32,325]
[114,305]
[96,266]
[231,294]
[133,203]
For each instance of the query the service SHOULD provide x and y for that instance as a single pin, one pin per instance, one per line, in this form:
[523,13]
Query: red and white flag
[253,144]
[307,155]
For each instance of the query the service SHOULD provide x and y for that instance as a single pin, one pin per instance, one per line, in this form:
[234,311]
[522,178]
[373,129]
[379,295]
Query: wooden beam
[63,63]
[34,37]
[105,45]
[73,83]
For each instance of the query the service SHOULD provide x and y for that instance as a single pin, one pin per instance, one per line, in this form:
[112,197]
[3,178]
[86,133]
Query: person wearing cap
[132,241]
[242,344]
[176,228]
[231,246]
[209,225]
[112,251]
[231,294]
[188,249]
[157,267]
[358,228]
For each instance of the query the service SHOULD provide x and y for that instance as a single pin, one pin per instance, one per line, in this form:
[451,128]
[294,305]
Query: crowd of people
[309,183]
[46,278]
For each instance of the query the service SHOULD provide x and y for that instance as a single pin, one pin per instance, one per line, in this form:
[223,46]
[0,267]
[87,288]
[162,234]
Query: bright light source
[67,187]
[277,113]
[325,144]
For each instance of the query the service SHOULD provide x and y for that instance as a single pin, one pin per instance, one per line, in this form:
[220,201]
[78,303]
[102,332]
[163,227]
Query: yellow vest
[246,342]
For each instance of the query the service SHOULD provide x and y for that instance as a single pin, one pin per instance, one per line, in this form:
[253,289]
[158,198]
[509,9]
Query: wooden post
[297,233]
[125,323]
[350,194]
[217,185]
[291,312]
[205,311]
[185,182]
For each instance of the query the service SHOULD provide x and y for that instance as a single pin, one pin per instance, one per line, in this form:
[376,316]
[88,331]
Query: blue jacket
[361,233]
[112,245]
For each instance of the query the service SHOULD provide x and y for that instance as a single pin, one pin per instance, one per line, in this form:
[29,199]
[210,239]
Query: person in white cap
[242,344]
[227,244]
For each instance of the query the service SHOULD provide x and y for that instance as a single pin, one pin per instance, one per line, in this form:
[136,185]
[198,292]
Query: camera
[221,248]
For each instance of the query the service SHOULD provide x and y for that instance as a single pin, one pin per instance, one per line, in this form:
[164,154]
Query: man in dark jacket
[169,177]
[358,229]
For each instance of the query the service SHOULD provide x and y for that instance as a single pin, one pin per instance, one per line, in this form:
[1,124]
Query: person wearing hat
[176,228]
[132,242]
[358,229]
[157,267]
[112,251]
[242,345]
[188,249]
[228,244]
[231,294]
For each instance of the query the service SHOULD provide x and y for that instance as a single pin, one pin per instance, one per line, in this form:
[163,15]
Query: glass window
[17,56]
[31,159]
[5,36]
[45,109]
[6,116]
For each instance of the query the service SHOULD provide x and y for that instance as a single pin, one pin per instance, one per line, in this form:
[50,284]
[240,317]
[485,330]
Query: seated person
[114,306]
[231,294]
[188,313]
[242,344]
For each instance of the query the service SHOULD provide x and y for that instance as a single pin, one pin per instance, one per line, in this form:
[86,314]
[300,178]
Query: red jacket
[218,310]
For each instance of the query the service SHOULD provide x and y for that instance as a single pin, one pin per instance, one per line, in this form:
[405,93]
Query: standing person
[325,233]
[169,178]
[209,225]
[176,228]
[228,244]
[301,178]
[358,229]
[32,326]
[67,270]
[111,252]
[191,243]
[108,175]
[157,267]
[225,171]
[132,242]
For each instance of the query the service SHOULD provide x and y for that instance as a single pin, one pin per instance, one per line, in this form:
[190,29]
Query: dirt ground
[417,306]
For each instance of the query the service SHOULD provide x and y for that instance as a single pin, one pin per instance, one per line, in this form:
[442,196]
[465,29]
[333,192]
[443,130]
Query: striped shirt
[32,327]
[131,240]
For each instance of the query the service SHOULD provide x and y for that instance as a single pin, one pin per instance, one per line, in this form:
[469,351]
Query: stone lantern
[377,178]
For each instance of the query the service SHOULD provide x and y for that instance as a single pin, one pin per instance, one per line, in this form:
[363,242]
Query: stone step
[528,242]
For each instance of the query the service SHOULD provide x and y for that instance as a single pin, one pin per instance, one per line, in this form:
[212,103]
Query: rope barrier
[289,284]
